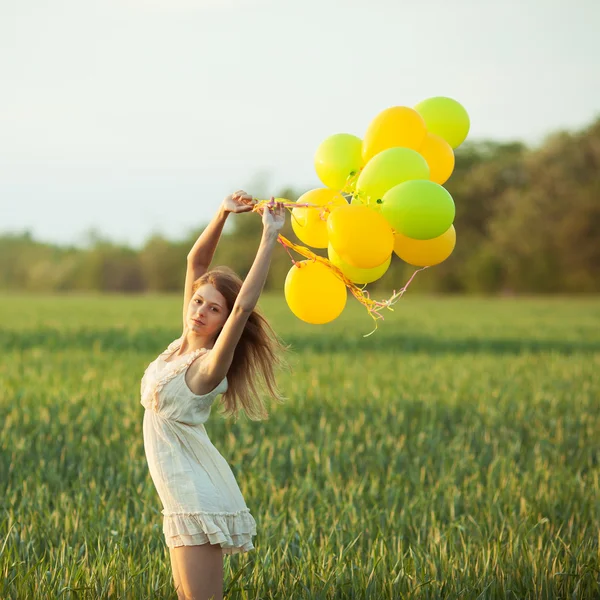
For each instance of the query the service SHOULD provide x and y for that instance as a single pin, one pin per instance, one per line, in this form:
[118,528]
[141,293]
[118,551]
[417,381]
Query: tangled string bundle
[374,307]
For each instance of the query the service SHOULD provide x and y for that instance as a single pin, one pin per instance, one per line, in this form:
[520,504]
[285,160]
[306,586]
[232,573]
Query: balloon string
[279,239]
[374,307]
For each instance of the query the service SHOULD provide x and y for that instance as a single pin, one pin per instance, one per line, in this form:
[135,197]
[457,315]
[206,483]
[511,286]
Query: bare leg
[201,571]
[176,577]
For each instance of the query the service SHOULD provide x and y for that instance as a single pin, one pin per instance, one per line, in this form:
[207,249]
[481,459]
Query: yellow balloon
[439,156]
[314,293]
[361,236]
[338,160]
[355,274]
[387,170]
[425,253]
[393,127]
[307,223]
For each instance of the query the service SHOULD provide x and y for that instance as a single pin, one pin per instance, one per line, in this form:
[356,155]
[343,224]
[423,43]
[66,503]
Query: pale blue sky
[139,116]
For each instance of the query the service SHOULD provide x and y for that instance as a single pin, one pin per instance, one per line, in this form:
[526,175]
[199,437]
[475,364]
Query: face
[207,311]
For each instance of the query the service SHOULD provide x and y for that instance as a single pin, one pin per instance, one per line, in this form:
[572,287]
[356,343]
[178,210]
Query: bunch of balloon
[409,155]
[393,178]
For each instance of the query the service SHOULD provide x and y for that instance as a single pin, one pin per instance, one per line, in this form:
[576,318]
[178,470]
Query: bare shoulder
[199,378]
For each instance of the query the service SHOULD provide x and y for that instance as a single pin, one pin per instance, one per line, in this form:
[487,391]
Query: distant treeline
[527,221]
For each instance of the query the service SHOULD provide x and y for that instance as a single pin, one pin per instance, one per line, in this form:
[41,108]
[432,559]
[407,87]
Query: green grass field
[452,454]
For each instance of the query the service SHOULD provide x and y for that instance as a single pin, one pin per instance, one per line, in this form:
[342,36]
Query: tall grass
[452,454]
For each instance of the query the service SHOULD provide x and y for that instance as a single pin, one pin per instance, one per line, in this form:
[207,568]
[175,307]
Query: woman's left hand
[239,202]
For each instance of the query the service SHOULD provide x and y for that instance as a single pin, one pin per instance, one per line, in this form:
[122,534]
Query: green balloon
[387,169]
[445,117]
[421,210]
[356,274]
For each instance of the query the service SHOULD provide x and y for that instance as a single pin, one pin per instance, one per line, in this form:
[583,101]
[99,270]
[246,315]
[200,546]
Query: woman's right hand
[273,217]
[239,202]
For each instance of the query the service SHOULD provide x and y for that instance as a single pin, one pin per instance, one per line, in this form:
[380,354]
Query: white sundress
[201,500]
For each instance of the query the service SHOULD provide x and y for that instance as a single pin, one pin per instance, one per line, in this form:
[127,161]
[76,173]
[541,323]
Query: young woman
[225,344]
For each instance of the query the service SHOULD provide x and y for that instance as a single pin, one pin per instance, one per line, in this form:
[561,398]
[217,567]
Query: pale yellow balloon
[354,274]
[425,253]
[356,200]
[338,160]
[361,236]
[314,293]
[393,127]
[439,156]
[307,223]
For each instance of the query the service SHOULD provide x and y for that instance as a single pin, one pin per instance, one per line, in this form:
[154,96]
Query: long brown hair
[258,352]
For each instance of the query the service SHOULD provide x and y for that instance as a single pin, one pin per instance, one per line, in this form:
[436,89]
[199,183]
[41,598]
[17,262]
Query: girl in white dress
[226,343]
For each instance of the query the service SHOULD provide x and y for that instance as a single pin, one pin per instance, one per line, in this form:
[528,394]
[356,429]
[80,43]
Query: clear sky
[139,116]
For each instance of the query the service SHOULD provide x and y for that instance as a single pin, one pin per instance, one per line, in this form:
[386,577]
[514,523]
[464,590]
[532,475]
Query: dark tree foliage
[527,221]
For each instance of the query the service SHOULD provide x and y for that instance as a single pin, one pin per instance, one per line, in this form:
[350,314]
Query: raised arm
[202,252]
[220,358]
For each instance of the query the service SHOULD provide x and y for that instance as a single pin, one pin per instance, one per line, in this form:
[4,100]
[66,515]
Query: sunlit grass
[453,453]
